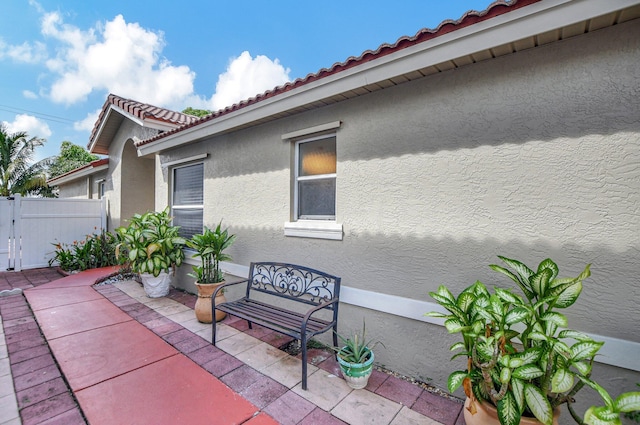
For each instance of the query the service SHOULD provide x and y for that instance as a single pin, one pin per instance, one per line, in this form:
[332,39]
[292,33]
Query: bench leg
[214,324]
[335,338]
[303,346]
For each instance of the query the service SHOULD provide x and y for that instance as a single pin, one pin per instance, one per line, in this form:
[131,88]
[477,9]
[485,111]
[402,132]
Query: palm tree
[17,174]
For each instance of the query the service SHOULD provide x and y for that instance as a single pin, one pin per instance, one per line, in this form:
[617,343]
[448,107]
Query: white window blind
[188,199]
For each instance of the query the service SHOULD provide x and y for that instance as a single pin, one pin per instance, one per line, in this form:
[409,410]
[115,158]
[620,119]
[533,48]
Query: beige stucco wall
[128,188]
[96,178]
[85,187]
[530,156]
[75,189]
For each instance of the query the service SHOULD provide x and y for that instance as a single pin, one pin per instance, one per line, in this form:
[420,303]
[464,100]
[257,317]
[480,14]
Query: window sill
[314,229]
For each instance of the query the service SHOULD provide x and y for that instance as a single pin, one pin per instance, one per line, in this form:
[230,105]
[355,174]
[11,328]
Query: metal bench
[310,289]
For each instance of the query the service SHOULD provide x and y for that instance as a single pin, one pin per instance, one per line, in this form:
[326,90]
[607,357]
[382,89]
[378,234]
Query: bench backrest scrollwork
[293,282]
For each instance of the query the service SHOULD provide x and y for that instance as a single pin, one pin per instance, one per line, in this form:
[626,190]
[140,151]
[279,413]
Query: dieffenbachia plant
[520,356]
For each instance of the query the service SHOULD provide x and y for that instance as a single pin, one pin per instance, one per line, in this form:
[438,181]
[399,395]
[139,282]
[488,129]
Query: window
[187,200]
[101,184]
[315,175]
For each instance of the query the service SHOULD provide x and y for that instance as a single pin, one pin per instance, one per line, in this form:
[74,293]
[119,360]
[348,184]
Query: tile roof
[142,111]
[471,17]
[93,164]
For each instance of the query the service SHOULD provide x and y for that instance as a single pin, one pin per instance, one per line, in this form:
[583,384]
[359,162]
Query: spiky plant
[210,247]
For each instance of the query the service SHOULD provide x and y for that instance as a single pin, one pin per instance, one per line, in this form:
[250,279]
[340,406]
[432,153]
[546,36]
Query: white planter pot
[156,287]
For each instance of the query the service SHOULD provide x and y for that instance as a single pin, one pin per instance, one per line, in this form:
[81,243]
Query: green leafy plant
[210,246]
[520,357]
[356,348]
[633,415]
[150,244]
[97,250]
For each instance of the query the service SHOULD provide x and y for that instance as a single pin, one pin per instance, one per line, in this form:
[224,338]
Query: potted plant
[521,361]
[356,358]
[151,247]
[210,246]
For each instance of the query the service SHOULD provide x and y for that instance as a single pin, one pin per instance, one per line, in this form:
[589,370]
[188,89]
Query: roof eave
[148,122]
[536,18]
[92,143]
[77,174]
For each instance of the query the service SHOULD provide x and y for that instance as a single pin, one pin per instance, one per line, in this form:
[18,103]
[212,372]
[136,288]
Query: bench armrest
[317,308]
[221,287]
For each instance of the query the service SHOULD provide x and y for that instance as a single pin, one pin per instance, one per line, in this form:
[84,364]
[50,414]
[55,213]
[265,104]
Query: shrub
[96,250]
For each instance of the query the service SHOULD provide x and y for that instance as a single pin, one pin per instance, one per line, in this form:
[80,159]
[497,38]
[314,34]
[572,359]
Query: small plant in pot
[151,246]
[356,357]
[210,247]
[521,361]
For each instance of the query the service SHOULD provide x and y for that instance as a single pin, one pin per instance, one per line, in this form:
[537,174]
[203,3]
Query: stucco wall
[75,189]
[127,190]
[530,156]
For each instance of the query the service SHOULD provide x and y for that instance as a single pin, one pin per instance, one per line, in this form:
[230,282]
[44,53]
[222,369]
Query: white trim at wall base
[615,352]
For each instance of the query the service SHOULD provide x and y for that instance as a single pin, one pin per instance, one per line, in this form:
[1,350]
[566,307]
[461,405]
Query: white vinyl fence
[30,226]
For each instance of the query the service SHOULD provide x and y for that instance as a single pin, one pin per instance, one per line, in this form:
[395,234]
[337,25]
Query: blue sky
[60,59]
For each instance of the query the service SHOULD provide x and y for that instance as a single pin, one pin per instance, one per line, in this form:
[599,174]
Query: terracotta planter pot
[487,414]
[203,303]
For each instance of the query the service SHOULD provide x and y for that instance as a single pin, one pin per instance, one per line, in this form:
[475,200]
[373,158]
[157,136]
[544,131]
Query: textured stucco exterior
[129,184]
[85,187]
[531,155]
[78,189]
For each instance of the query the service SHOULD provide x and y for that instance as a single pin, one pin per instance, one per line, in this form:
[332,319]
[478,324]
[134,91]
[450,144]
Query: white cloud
[87,123]
[117,57]
[126,59]
[25,52]
[28,53]
[29,124]
[28,94]
[246,77]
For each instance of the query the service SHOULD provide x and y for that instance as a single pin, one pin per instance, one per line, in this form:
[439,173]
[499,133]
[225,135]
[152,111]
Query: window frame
[101,188]
[176,166]
[298,227]
[298,178]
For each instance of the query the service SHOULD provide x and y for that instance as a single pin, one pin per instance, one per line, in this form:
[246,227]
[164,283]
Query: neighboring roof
[86,170]
[503,28]
[116,108]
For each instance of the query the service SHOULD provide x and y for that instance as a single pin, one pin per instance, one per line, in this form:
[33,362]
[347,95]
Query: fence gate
[6,229]
[31,225]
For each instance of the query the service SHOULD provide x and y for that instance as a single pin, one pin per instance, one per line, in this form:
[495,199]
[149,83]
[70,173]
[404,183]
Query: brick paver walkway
[44,395]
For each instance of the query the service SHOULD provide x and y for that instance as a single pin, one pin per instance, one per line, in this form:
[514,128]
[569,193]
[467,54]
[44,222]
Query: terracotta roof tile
[142,111]
[471,17]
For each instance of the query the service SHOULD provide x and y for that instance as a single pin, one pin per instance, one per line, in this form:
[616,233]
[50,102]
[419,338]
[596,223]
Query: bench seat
[312,290]
[278,319]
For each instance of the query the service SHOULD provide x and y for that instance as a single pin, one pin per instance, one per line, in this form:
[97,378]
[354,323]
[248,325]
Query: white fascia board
[159,125]
[110,110]
[80,174]
[146,122]
[535,19]
[149,123]
[102,124]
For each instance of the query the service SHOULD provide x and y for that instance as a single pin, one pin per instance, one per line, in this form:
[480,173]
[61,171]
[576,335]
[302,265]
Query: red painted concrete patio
[81,354]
